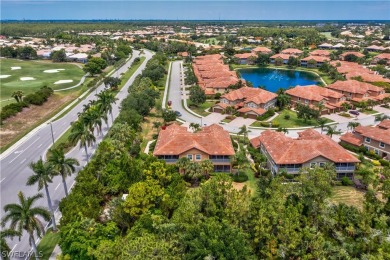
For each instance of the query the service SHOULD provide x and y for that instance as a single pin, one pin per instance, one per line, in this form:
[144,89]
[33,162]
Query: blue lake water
[274,79]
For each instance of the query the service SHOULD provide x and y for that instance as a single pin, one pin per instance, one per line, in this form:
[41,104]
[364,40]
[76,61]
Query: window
[312,165]
[376,152]
[322,164]
[368,139]
[189,156]
[299,99]
[366,148]
[198,157]
[306,101]
[382,145]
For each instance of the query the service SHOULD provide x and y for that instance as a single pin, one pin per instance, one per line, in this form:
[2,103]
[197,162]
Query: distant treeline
[48,28]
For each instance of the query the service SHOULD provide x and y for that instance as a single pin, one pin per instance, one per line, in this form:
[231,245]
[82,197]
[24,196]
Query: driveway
[240,121]
[213,118]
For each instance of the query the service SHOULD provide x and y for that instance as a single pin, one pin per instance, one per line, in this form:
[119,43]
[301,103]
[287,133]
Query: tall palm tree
[320,106]
[353,125]
[25,216]
[183,163]
[5,249]
[62,165]
[106,99]
[43,174]
[332,131]
[244,132]
[321,122]
[79,132]
[207,167]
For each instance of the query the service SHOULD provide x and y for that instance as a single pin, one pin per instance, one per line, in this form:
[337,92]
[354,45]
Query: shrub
[376,163]
[345,181]
[384,162]
[240,177]
[217,95]
[35,99]
[12,109]
[275,124]
[270,112]
[287,117]
[264,124]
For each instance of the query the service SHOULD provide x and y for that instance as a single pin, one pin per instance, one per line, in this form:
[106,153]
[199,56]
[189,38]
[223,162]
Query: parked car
[178,113]
[354,112]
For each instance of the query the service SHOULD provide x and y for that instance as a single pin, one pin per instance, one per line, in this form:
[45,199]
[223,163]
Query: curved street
[15,163]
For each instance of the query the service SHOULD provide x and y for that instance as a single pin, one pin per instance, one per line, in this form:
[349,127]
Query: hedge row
[37,98]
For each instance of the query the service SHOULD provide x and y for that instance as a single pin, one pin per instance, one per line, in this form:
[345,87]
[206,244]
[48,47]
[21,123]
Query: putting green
[33,71]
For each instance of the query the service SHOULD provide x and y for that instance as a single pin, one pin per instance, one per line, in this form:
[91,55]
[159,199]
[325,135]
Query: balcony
[170,160]
[347,168]
[289,169]
[220,160]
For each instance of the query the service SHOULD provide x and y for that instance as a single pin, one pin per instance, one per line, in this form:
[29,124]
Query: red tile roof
[316,58]
[357,54]
[376,133]
[258,111]
[255,95]
[354,86]
[309,145]
[385,124]
[262,50]
[385,56]
[212,73]
[320,53]
[352,69]
[281,55]
[244,55]
[292,51]
[313,92]
[175,140]
[352,139]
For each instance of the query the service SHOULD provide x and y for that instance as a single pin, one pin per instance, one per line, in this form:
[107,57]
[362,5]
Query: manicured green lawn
[369,112]
[201,108]
[125,77]
[35,69]
[293,122]
[47,244]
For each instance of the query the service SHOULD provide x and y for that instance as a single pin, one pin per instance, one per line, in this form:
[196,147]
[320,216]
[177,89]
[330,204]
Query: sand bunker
[16,68]
[63,81]
[53,71]
[27,78]
[4,76]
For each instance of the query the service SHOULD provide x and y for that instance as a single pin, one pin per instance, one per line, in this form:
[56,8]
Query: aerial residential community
[226,134]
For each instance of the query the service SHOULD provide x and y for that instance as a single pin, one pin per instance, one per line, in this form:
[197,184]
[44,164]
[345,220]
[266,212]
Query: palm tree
[25,216]
[370,104]
[92,118]
[282,129]
[64,166]
[320,106]
[106,99]
[321,122]
[283,100]
[207,167]
[80,132]
[18,95]
[332,131]
[5,249]
[345,106]
[195,127]
[183,163]
[43,174]
[244,132]
[353,125]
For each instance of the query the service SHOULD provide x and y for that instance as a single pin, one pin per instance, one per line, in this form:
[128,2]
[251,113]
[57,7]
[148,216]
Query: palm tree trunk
[112,118]
[86,151]
[50,208]
[64,183]
[34,246]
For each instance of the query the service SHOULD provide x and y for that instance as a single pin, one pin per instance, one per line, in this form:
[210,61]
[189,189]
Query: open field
[29,76]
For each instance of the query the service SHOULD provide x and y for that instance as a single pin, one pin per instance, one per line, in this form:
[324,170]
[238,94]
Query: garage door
[217,110]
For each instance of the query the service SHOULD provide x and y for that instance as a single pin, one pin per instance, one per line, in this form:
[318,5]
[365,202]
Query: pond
[274,79]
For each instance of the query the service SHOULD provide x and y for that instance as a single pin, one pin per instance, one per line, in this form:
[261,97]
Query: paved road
[14,166]
[174,95]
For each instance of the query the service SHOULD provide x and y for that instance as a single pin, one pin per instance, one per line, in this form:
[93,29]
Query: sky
[195,10]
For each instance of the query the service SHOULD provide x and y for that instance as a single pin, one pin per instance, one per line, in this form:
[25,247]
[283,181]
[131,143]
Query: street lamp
[52,135]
